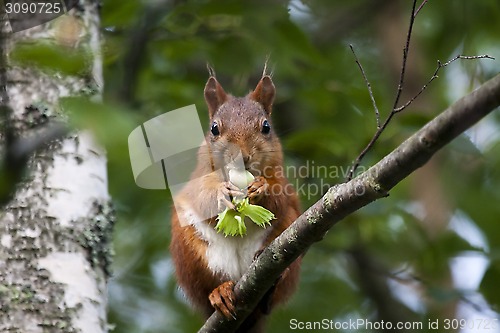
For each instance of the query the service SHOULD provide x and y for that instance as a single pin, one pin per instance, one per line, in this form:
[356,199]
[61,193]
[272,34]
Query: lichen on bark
[96,236]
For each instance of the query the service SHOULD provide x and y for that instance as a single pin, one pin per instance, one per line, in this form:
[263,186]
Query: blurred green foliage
[50,58]
[155,56]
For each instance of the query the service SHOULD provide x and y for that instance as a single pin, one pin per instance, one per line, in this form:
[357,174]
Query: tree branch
[420,7]
[381,128]
[395,108]
[369,86]
[405,56]
[435,76]
[344,199]
[399,90]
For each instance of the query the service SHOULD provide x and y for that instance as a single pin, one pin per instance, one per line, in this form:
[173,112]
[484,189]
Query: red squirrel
[208,263]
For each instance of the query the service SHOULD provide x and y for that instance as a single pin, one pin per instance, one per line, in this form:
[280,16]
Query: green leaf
[85,113]
[259,215]
[51,57]
[231,222]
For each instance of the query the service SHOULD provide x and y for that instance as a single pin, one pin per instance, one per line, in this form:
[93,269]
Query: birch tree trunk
[54,232]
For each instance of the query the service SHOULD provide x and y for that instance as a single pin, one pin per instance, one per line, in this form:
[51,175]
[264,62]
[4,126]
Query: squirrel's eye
[266,127]
[215,129]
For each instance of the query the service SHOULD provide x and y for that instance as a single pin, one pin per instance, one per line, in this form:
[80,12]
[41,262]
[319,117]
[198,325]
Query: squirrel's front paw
[225,193]
[223,300]
[257,189]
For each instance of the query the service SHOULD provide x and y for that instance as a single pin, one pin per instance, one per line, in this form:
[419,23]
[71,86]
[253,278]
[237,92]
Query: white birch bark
[54,233]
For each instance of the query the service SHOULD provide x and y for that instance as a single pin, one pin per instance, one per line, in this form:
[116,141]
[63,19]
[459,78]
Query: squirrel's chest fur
[232,255]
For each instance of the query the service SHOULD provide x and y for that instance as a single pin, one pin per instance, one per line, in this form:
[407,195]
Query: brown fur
[240,122]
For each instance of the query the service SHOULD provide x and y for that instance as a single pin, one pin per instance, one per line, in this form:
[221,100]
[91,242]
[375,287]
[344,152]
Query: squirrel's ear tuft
[264,93]
[215,95]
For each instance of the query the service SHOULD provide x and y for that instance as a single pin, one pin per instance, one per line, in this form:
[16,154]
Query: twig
[380,129]
[370,144]
[412,278]
[405,57]
[435,76]
[368,85]
[396,109]
[420,7]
